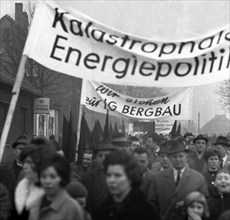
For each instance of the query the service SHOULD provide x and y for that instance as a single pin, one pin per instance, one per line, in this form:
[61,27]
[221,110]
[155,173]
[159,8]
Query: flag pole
[13,102]
[79,115]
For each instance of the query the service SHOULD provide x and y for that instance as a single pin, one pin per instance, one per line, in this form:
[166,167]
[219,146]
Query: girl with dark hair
[56,203]
[126,201]
[212,159]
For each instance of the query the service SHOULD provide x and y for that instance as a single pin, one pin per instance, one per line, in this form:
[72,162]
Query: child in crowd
[196,207]
[78,192]
[220,202]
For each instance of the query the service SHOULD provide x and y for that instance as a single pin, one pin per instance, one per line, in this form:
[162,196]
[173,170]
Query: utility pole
[198,129]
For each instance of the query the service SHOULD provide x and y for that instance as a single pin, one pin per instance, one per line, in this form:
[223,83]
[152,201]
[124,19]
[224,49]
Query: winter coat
[133,207]
[195,163]
[26,196]
[218,204]
[225,215]
[210,179]
[4,203]
[63,207]
[94,181]
[167,197]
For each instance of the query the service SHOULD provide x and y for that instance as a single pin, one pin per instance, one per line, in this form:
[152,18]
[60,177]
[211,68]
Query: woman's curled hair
[130,165]
[60,164]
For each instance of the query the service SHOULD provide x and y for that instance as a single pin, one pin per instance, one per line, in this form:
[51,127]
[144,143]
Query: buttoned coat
[94,181]
[133,207]
[146,185]
[167,196]
[63,207]
[156,167]
[196,163]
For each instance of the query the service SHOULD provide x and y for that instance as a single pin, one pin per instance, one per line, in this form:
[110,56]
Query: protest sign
[72,43]
[98,97]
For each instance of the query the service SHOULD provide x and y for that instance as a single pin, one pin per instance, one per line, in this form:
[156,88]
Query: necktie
[221,163]
[178,177]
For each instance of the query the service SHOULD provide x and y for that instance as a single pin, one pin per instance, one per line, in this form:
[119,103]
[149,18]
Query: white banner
[72,43]
[98,97]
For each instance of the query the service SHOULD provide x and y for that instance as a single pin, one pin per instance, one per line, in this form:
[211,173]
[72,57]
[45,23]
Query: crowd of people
[127,178]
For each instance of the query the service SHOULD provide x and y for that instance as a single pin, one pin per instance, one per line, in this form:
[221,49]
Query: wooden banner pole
[81,106]
[13,102]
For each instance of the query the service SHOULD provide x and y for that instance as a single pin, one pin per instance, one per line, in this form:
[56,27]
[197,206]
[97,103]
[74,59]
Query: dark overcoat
[133,207]
[167,197]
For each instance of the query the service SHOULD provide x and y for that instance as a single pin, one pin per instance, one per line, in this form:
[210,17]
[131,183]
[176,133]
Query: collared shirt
[18,163]
[175,172]
[224,159]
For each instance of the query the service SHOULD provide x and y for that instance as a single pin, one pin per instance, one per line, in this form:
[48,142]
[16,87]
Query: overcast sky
[160,20]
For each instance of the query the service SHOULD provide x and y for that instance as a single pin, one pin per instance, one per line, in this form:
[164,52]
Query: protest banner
[72,43]
[98,97]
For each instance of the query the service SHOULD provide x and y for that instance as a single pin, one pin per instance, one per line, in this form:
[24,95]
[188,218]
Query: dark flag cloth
[95,137]
[100,130]
[65,137]
[154,126]
[179,130]
[111,129]
[85,138]
[68,139]
[116,129]
[173,132]
[106,135]
[123,127]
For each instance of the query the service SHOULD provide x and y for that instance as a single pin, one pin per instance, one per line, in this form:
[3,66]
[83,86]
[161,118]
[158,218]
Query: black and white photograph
[114,109]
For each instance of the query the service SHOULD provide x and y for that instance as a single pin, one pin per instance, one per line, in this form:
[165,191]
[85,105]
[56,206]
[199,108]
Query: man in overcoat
[223,146]
[196,159]
[94,179]
[171,186]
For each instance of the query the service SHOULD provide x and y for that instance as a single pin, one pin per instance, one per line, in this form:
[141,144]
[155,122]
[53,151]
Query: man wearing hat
[94,179]
[10,171]
[164,161]
[170,186]
[196,159]
[121,142]
[17,146]
[223,146]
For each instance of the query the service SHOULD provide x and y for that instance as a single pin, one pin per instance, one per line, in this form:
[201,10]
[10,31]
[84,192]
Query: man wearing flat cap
[196,159]
[9,172]
[170,186]
[94,179]
[223,146]
[17,146]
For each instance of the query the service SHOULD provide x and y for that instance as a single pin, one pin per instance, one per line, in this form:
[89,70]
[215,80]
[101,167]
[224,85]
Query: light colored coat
[63,207]
[166,195]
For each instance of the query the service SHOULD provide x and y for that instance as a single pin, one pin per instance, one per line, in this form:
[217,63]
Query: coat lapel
[169,178]
[185,178]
